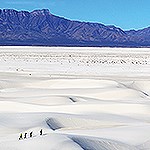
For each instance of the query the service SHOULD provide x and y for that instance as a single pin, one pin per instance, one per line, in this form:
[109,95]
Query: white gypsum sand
[82,98]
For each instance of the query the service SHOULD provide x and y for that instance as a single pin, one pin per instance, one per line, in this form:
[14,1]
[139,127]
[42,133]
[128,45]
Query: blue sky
[127,14]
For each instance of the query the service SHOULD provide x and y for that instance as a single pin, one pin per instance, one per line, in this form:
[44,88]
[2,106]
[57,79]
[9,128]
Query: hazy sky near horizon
[127,14]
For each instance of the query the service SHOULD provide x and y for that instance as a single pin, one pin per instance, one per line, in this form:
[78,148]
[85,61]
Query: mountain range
[41,28]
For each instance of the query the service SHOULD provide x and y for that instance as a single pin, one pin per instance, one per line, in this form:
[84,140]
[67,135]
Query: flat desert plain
[81,98]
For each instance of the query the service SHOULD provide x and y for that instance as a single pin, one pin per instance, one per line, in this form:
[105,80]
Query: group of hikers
[30,135]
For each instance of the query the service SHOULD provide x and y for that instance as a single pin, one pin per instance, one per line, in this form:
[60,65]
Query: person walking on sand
[20,138]
[25,135]
[41,132]
[31,134]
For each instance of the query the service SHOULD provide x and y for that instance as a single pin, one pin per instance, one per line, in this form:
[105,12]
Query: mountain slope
[40,27]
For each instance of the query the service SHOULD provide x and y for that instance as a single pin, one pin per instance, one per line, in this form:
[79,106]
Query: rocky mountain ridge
[42,28]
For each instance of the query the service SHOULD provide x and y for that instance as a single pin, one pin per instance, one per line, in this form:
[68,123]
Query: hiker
[25,135]
[20,138]
[41,132]
[31,134]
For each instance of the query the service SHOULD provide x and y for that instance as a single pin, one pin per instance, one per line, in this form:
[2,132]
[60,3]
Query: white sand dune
[82,98]
[55,141]
[101,144]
